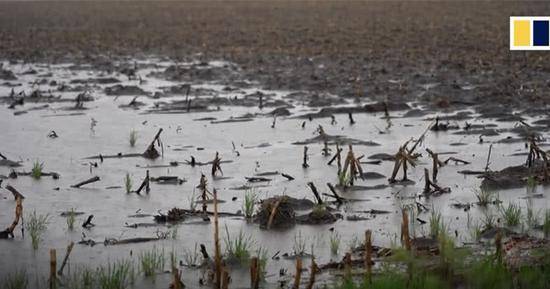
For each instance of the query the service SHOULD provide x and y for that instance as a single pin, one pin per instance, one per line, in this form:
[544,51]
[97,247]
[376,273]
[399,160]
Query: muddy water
[260,147]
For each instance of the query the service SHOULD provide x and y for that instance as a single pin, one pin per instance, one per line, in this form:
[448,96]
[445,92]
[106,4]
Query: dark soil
[387,51]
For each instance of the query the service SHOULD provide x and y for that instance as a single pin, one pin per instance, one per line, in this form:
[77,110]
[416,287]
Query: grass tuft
[437,226]
[133,138]
[151,262]
[71,218]
[36,225]
[16,280]
[546,224]
[299,246]
[262,261]
[37,169]
[128,183]
[238,249]
[81,278]
[115,275]
[191,258]
[511,214]
[249,202]
[344,180]
[485,197]
[335,239]
[532,218]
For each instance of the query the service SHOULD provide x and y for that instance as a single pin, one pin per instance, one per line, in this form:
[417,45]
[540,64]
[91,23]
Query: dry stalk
[216,165]
[315,193]
[64,263]
[347,266]
[368,254]
[273,212]
[298,274]
[254,273]
[436,164]
[405,237]
[8,232]
[354,166]
[217,253]
[151,152]
[304,163]
[313,272]
[53,269]
[225,278]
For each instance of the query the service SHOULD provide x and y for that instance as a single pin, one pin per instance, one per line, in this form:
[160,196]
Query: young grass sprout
[249,202]
[532,218]
[546,224]
[36,225]
[151,262]
[80,278]
[511,214]
[71,218]
[115,275]
[37,169]
[299,246]
[174,232]
[128,183]
[262,261]
[133,138]
[334,242]
[191,258]
[437,226]
[192,202]
[238,249]
[485,197]
[489,221]
[16,280]
[353,243]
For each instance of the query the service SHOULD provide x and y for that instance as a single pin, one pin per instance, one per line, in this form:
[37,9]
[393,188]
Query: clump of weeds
[36,225]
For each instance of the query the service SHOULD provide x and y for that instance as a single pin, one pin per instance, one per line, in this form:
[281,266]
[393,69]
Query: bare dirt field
[348,47]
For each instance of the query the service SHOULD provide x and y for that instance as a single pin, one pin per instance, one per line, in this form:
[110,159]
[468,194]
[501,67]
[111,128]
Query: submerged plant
[489,221]
[37,169]
[133,138]
[128,183]
[334,242]
[262,261]
[16,280]
[344,179]
[71,218]
[485,197]
[250,199]
[531,218]
[81,278]
[115,275]
[531,182]
[151,262]
[353,243]
[174,233]
[191,258]
[192,202]
[437,226]
[546,223]
[238,249]
[299,246]
[319,211]
[36,225]
[511,214]
[475,231]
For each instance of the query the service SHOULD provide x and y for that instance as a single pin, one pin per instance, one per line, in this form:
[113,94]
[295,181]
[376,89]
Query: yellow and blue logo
[529,33]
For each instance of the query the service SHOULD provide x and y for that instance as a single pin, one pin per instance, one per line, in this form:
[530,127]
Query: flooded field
[379,144]
[65,116]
